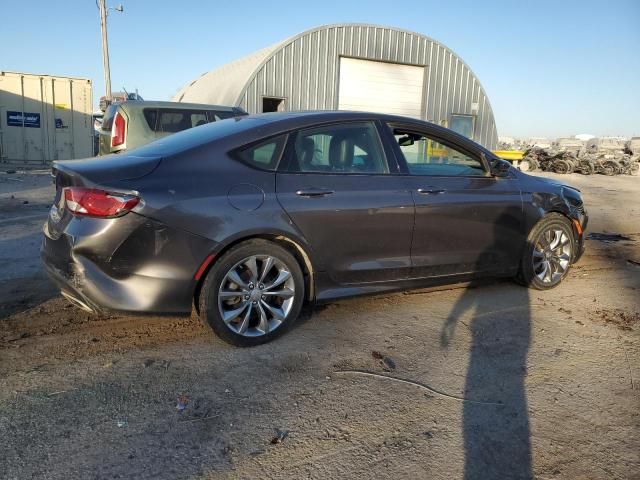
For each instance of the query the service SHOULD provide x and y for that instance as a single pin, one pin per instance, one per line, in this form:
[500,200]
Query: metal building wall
[304,71]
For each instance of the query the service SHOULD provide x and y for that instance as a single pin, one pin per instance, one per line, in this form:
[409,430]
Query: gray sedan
[249,218]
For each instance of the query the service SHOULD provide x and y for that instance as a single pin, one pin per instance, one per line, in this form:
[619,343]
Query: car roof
[321,116]
[176,105]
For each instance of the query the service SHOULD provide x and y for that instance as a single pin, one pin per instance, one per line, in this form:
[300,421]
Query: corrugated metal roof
[304,71]
[223,85]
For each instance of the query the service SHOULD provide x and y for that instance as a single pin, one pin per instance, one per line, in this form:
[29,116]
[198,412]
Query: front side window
[339,148]
[264,155]
[426,156]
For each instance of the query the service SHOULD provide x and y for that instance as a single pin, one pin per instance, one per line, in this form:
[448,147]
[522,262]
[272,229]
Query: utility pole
[105,50]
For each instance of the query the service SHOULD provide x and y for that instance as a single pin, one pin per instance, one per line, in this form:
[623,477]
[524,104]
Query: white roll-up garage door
[371,86]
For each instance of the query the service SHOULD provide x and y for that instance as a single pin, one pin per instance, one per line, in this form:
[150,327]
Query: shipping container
[44,118]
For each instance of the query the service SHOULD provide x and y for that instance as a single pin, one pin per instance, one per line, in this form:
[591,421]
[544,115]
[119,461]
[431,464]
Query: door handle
[431,191]
[314,192]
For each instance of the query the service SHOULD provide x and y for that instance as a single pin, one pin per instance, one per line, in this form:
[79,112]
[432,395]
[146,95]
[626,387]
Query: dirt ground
[494,381]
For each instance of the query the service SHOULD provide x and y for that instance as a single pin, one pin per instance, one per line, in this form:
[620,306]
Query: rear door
[467,221]
[337,187]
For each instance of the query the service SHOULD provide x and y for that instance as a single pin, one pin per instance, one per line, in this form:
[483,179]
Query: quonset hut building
[354,67]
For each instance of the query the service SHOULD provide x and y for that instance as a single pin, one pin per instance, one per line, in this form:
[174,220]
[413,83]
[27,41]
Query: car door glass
[219,115]
[172,121]
[198,118]
[426,156]
[151,116]
[264,155]
[342,148]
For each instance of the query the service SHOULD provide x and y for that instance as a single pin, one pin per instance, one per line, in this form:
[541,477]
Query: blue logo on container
[18,119]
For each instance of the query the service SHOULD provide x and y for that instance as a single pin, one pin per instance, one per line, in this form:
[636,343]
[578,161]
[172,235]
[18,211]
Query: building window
[462,124]
[272,104]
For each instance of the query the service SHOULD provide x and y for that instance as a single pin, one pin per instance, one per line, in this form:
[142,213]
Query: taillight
[118,130]
[91,202]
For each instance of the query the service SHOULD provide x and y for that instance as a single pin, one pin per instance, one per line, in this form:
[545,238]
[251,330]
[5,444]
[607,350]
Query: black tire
[527,275]
[586,168]
[562,166]
[609,168]
[209,306]
[526,165]
[535,165]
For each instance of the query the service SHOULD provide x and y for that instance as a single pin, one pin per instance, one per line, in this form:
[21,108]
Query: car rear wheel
[252,294]
[548,253]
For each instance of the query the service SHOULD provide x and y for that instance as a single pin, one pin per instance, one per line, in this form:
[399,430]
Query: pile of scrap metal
[606,158]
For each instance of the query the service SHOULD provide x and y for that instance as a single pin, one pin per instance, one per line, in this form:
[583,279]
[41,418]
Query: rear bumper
[128,264]
[66,285]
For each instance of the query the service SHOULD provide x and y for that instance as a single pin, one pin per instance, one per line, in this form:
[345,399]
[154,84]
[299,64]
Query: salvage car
[131,124]
[250,218]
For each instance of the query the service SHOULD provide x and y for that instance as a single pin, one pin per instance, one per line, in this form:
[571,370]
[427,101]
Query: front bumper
[128,264]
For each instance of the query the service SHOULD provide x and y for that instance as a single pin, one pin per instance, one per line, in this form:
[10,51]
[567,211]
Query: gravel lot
[488,381]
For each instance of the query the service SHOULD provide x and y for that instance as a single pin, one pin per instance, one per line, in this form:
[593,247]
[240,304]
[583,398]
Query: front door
[467,221]
[336,186]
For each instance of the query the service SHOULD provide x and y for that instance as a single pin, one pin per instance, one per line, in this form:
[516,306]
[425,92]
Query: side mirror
[406,141]
[500,168]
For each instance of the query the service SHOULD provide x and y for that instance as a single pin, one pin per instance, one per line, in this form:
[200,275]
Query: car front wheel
[252,294]
[548,254]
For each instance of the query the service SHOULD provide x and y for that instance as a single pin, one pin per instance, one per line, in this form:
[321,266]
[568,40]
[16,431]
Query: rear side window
[173,121]
[107,120]
[264,155]
[151,116]
[176,120]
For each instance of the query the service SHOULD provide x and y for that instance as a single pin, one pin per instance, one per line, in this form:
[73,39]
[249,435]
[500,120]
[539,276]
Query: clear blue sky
[550,68]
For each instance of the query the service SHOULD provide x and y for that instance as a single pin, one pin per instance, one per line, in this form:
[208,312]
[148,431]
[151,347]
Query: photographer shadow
[496,437]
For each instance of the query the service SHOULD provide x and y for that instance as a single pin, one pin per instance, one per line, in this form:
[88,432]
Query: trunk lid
[102,170]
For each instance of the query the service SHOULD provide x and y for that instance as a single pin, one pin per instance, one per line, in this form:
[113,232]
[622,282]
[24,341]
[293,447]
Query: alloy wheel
[551,255]
[256,295]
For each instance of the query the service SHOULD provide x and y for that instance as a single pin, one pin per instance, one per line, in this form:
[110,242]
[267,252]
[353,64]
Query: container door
[22,119]
[63,119]
[83,130]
